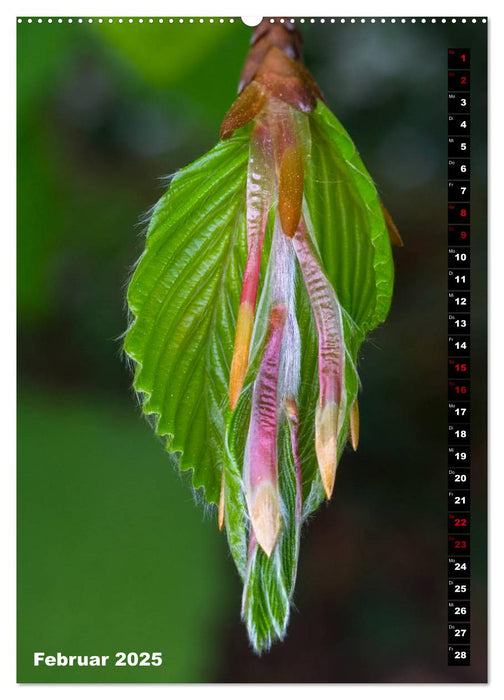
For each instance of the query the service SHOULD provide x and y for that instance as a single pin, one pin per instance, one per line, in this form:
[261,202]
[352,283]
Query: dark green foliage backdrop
[113,554]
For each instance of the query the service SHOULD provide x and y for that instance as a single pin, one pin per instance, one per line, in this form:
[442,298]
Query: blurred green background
[114,555]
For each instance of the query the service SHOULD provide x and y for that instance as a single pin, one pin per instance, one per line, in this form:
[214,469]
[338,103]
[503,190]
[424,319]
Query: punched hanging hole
[251,21]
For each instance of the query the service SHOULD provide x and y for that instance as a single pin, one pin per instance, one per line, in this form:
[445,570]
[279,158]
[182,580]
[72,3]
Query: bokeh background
[114,553]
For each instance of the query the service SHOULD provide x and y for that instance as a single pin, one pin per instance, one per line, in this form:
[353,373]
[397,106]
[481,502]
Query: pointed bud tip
[354,425]
[265,516]
[222,503]
[246,107]
[328,483]
[393,232]
[326,444]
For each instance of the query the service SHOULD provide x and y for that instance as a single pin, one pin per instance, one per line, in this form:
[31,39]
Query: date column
[459,357]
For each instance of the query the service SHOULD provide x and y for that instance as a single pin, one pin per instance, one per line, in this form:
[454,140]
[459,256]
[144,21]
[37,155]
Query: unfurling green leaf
[266,264]
[184,297]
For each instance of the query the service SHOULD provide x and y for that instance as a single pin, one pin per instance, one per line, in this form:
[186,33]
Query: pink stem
[260,474]
[327,313]
[263,421]
[259,186]
[330,412]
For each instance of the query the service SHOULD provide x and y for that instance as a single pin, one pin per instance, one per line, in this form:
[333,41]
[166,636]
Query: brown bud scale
[290,189]
[272,68]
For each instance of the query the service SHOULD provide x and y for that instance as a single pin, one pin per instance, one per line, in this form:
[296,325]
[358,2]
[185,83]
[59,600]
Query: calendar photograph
[252,349]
